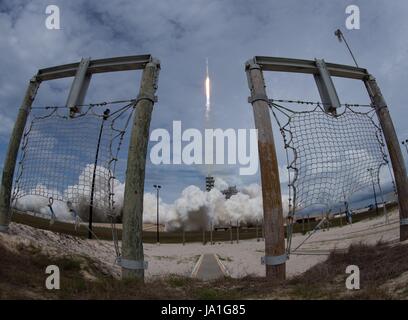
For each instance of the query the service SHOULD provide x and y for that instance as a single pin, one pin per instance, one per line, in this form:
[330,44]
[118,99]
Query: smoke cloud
[195,209]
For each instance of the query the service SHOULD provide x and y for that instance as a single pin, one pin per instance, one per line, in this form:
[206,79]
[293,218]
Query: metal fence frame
[132,259]
[275,256]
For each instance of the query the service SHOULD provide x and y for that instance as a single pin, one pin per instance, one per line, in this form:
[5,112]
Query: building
[229,192]
[209,183]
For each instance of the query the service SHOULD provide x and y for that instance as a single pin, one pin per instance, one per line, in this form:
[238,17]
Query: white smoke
[45,201]
[39,204]
[195,209]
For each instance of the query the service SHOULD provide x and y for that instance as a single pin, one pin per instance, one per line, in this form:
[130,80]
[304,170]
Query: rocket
[207,91]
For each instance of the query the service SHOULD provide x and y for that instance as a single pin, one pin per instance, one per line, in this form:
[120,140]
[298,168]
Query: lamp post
[91,203]
[340,37]
[157,187]
[375,195]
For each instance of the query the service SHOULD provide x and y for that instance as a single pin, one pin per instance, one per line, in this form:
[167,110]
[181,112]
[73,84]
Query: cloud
[6,126]
[182,34]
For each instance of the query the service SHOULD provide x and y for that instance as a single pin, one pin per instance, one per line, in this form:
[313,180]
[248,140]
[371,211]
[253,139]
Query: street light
[340,37]
[157,187]
[375,195]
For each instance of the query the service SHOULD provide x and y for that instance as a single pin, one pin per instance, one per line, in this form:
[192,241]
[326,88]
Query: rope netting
[330,157]
[68,163]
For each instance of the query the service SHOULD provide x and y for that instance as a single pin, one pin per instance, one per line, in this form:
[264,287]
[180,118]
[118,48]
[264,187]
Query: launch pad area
[224,233]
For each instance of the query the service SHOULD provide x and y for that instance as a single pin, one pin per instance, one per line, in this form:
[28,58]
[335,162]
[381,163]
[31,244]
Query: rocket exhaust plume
[207,93]
[207,105]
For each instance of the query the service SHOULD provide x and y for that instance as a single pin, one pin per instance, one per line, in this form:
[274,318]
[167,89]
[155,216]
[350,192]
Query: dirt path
[207,268]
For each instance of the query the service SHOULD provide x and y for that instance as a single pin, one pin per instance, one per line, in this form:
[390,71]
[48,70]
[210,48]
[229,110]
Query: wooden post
[203,236]
[397,160]
[184,236]
[211,233]
[271,191]
[132,259]
[323,224]
[328,221]
[257,231]
[237,231]
[12,152]
[231,231]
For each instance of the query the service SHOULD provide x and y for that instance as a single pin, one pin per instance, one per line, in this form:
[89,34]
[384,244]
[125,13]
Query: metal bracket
[4,228]
[326,87]
[79,86]
[274,260]
[132,264]
[149,97]
[404,222]
[251,65]
[156,78]
[257,97]
[369,78]
[374,93]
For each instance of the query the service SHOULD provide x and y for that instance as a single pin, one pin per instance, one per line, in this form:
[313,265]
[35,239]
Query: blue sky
[182,34]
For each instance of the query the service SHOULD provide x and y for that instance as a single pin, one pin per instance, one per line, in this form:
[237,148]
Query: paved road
[208,268]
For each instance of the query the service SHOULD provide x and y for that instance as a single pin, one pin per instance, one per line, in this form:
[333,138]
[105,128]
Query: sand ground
[240,259]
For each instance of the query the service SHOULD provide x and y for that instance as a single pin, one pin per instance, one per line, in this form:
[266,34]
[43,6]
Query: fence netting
[69,163]
[330,157]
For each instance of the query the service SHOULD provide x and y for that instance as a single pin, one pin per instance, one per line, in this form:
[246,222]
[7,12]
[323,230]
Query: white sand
[244,258]
[239,259]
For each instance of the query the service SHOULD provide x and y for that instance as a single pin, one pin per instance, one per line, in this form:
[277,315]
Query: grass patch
[22,276]
[179,282]
[215,293]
